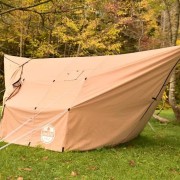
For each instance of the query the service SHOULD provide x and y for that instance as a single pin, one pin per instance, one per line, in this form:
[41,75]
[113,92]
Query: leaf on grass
[23,158]
[25,169]
[20,178]
[73,173]
[45,158]
[93,168]
[8,178]
[132,163]
[174,171]
[111,178]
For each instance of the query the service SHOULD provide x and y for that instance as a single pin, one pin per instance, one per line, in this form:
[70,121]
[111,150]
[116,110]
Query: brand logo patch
[47,134]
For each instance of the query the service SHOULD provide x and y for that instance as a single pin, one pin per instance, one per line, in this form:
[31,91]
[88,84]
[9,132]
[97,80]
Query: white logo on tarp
[47,134]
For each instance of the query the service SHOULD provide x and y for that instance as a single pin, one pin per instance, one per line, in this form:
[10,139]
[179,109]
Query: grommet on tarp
[85,78]
[154,98]
[69,109]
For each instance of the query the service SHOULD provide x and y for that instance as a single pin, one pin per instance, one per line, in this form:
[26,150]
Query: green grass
[153,155]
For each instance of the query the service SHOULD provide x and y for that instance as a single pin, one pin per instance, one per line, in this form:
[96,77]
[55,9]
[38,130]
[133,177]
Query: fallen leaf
[25,169]
[111,178]
[20,178]
[132,163]
[9,178]
[174,171]
[73,173]
[23,158]
[45,158]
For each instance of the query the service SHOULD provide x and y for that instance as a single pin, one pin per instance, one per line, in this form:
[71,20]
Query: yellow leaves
[164,97]
[71,24]
[144,3]
[113,32]
[20,178]
[93,43]
[121,12]
[74,173]
[45,50]
[178,42]
[132,163]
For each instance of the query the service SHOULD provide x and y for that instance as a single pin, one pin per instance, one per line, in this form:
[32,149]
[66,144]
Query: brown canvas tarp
[83,103]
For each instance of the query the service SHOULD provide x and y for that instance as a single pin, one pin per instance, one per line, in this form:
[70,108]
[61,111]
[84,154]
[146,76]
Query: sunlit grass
[153,155]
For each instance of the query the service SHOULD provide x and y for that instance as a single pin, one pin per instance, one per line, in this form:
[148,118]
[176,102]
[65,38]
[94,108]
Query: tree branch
[21,8]
[160,119]
[8,5]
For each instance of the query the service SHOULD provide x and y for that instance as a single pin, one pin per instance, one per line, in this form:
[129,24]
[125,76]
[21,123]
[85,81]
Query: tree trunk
[175,28]
[173,13]
[172,99]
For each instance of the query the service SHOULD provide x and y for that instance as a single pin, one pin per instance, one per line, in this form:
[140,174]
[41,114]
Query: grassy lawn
[151,156]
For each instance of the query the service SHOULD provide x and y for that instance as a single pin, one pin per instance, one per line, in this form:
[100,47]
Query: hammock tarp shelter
[83,103]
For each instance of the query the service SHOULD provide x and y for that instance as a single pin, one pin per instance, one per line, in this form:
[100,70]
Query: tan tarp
[83,103]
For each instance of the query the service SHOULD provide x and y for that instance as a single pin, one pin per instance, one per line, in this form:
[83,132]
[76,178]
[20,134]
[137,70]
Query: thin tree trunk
[175,28]
[172,99]
[171,26]
[21,43]
[141,35]
[78,50]
[169,21]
